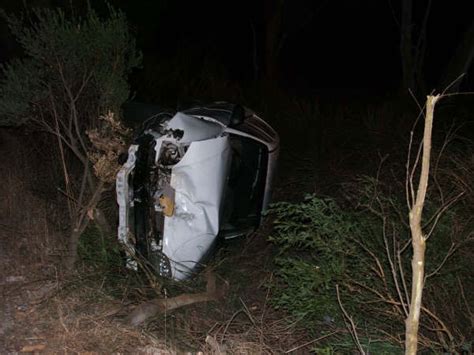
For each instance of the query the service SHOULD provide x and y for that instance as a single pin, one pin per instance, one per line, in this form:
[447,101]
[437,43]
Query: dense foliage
[361,243]
[86,59]
[74,71]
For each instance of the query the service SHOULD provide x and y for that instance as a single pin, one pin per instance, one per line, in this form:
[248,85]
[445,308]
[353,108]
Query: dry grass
[244,322]
[225,328]
[28,241]
[254,331]
[87,320]
[37,311]
[74,317]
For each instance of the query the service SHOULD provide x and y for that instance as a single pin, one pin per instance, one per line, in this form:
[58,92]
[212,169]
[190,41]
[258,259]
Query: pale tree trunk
[418,238]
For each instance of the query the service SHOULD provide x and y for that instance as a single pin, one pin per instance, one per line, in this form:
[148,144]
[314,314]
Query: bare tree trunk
[460,61]
[406,45]
[273,31]
[86,214]
[413,47]
[73,245]
[418,239]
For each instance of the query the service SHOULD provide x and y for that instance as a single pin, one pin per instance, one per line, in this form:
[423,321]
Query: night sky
[341,46]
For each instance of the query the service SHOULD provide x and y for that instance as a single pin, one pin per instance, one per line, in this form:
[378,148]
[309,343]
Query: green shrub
[74,71]
[87,57]
[362,244]
[315,254]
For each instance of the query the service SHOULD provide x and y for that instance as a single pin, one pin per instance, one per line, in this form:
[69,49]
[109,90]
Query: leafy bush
[362,245]
[87,58]
[74,71]
[315,254]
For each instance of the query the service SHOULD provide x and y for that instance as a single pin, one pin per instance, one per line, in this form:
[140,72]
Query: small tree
[73,72]
[418,237]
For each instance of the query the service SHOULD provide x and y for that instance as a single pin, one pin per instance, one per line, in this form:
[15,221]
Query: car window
[246,184]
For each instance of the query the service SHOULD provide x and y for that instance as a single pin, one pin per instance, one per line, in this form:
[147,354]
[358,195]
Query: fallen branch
[149,309]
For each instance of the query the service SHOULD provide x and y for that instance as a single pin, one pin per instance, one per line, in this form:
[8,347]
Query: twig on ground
[311,342]
[352,329]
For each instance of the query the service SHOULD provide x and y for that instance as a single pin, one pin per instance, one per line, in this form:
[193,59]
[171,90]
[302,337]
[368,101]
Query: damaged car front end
[191,178]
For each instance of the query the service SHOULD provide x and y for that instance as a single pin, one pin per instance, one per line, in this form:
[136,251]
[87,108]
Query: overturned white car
[191,178]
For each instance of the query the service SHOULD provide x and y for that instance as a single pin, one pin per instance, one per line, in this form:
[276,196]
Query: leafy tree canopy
[68,59]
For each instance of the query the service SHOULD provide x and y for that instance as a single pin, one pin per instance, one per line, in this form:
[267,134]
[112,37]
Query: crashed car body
[190,179]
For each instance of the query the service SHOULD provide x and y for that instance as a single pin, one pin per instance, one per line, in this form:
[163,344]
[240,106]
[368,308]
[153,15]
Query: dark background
[340,47]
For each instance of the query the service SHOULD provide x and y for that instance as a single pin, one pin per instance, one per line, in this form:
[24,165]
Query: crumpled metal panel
[194,129]
[199,180]
[125,203]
